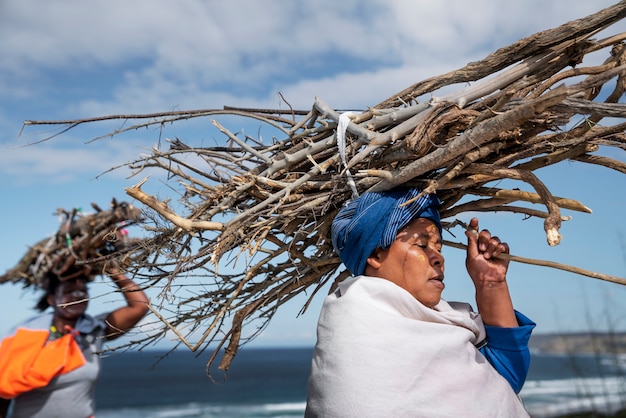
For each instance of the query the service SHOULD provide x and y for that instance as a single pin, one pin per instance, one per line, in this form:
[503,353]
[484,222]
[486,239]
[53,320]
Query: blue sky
[67,60]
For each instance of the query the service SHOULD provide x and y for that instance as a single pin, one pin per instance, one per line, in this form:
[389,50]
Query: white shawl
[381,353]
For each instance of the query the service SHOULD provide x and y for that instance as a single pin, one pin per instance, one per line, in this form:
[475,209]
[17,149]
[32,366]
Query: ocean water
[265,382]
[260,383]
[563,384]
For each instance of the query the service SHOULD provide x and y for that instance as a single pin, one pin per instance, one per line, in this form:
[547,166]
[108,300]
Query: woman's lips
[438,281]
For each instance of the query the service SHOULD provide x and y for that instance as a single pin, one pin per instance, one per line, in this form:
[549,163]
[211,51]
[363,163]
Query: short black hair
[52,282]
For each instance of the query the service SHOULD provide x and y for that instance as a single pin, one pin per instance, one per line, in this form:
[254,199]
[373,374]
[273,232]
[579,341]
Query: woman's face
[413,262]
[70,298]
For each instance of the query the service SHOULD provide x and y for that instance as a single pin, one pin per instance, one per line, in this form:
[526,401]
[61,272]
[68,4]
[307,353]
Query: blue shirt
[507,350]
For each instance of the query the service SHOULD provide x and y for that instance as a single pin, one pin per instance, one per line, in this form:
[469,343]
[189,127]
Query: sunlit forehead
[421,229]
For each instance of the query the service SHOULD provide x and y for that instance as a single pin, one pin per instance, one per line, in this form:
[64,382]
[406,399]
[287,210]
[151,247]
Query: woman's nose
[436,258]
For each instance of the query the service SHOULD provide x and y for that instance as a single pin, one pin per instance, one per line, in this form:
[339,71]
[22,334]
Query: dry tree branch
[551,264]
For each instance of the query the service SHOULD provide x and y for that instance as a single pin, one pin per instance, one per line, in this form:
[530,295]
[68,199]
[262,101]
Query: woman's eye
[426,246]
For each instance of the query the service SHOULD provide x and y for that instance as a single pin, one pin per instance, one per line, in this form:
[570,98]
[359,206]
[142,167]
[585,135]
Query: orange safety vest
[29,361]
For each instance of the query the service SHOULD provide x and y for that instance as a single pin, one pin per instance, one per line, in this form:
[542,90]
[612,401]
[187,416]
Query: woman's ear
[51,301]
[376,259]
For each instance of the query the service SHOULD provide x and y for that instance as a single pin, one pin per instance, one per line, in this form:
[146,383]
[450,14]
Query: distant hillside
[582,342]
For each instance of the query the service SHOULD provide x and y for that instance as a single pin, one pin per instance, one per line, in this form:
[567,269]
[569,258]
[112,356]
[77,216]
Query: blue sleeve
[507,350]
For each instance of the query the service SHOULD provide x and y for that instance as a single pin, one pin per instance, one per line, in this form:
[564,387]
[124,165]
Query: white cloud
[65,59]
[61,160]
[158,54]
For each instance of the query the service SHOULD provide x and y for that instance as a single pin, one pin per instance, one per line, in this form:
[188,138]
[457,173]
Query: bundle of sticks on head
[87,244]
[254,220]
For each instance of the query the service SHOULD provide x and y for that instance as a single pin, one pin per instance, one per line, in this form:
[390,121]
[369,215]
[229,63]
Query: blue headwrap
[373,220]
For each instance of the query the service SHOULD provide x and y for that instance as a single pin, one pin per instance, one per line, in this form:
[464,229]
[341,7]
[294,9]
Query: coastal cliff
[580,343]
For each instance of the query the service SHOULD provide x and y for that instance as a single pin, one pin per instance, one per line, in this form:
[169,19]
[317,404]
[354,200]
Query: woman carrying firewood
[49,366]
[389,346]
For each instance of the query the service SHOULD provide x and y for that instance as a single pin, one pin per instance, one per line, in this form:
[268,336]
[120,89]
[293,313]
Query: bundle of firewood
[254,230]
[86,243]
